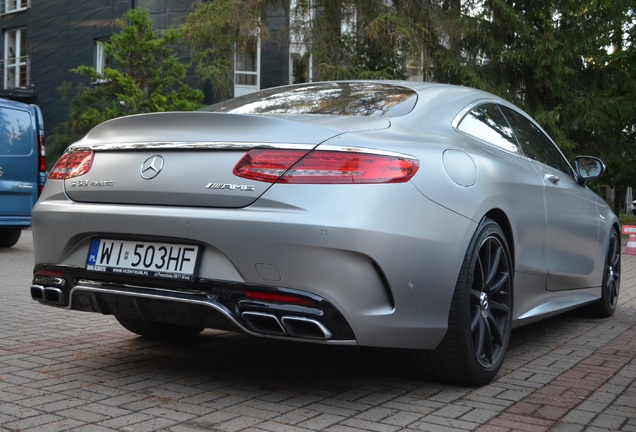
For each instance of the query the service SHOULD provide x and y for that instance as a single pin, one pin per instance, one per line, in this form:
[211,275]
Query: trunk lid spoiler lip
[196,130]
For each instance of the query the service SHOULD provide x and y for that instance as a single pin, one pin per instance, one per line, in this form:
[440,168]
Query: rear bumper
[385,259]
[203,304]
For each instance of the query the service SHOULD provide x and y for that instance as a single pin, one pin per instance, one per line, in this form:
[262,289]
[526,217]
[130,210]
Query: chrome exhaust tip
[37,293]
[307,328]
[264,323]
[48,295]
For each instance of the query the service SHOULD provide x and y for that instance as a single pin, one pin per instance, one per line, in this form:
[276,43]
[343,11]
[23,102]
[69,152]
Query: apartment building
[42,40]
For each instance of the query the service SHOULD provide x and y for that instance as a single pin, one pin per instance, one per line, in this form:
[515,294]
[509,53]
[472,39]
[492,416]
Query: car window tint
[487,123]
[339,98]
[15,132]
[534,143]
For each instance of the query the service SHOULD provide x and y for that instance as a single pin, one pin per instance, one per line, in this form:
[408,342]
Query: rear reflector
[275,297]
[72,164]
[325,167]
[50,273]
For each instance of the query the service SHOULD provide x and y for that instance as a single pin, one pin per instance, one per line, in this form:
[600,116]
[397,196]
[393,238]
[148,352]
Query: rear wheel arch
[606,305]
[480,316]
[503,221]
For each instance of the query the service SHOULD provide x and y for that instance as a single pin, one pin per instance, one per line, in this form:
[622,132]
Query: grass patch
[627,219]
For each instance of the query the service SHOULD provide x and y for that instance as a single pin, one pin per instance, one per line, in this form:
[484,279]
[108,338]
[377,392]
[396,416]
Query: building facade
[41,41]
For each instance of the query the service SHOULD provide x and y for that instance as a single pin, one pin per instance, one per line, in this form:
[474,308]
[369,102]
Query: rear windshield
[15,132]
[335,98]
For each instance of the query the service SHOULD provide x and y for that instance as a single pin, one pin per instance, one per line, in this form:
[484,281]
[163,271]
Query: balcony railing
[15,73]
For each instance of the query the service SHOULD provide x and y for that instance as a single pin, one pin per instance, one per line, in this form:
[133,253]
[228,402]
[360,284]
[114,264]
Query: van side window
[15,133]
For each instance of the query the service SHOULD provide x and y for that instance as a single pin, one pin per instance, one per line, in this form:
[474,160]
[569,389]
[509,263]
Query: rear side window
[535,144]
[487,123]
[15,132]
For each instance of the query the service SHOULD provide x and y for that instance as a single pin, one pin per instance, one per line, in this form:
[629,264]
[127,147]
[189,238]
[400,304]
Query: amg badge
[230,186]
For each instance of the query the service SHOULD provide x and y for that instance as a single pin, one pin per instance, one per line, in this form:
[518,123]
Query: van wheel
[9,236]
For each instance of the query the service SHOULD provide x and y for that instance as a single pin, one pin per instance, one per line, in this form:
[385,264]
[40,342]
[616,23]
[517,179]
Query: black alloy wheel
[490,302]
[480,318]
[606,305]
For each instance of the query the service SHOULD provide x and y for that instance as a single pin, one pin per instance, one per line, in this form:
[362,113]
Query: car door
[571,213]
[19,175]
[521,188]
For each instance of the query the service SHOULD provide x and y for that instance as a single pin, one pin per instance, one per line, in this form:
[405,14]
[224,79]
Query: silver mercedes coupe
[426,217]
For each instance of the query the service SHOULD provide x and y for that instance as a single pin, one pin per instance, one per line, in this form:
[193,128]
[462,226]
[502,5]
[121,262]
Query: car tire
[606,305]
[480,317]
[157,330]
[9,236]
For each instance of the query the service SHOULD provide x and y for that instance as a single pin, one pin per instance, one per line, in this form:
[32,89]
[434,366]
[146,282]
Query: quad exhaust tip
[48,295]
[296,326]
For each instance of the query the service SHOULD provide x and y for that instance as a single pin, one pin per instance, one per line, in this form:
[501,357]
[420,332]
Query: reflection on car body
[422,216]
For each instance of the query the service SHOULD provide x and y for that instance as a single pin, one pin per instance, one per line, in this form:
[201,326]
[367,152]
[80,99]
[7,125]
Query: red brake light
[42,155]
[72,164]
[41,161]
[325,167]
[50,273]
[280,298]
[267,165]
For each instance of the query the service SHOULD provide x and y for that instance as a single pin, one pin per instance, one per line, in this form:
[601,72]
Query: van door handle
[554,179]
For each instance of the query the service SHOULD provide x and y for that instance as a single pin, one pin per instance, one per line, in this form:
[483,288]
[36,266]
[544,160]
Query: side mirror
[588,168]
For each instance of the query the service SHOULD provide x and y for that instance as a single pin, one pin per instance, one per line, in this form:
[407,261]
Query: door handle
[554,179]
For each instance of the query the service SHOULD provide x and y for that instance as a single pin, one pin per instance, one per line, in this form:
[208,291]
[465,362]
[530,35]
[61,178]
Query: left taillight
[348,166]
[72,164]
[41,160]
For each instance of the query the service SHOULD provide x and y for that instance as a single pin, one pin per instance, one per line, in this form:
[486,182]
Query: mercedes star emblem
[151,167]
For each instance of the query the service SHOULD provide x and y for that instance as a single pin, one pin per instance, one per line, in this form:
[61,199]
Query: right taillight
[326,166]
[72,164]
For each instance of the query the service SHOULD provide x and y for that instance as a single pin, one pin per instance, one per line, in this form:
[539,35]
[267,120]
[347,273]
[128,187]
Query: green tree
[347,38]
[214,30]
[539,55]
[145,76]
[351,39]
[606,121]
[570,64]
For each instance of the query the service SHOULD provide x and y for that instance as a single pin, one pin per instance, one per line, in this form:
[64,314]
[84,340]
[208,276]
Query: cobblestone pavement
[76,371]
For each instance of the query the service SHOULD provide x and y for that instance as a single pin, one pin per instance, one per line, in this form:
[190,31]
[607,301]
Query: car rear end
[276,226]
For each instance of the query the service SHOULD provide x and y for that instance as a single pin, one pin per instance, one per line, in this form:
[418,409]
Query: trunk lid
[187,158]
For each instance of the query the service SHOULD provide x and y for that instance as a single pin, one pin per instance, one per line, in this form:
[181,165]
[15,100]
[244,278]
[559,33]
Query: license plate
[135,258]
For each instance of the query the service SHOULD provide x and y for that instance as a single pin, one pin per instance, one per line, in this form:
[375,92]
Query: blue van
[22,167]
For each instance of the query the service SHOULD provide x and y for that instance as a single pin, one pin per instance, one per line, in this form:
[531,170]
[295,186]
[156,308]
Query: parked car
[22,167]
[427,217]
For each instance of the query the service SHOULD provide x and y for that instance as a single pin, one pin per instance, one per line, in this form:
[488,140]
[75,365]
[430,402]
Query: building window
[10,6]
[300,59]
[246,67]
[15,62]
[101,59]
